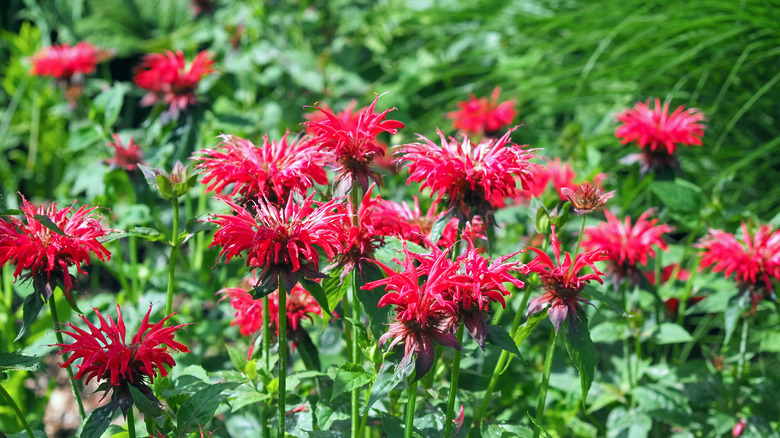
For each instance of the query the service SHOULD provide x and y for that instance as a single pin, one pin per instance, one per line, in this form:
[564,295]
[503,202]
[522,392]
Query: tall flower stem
[548,360]
[282,357]
[130,423]
[8,301]
[355,395]
[19,414]
[134,283]
[174,250]
[411,401]
[453,386]
[56,320]
[266,334]
[579,242]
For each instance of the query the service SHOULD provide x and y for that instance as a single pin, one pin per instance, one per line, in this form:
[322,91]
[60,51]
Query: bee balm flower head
[479,116]
[63,61]
[167,79]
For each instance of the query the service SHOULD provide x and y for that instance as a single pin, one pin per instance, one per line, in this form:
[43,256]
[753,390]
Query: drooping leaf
[348,377]
[581,351]
[308,351]
[31,308]
[98,421]
[144,404]
[499,336]
[319,294]
[146,233]
[391,373]
[201,406]
[47,222]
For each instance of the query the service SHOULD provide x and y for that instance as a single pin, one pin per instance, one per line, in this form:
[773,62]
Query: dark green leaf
[348,377]
[201,406]
[11,212]
[378,317]
[98,421]
[47,222]
[438,227]
[319,294]
[31,308]
[18,361]
[500,337]
[581,351]
[528,326]
[147,406]
[680,195]
[147,233]
[391,373]
[393,426]
[308,351]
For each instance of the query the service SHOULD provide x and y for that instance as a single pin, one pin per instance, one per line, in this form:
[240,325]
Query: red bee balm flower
[562,283]
[272,170]
[168,79]
[105,356]
[755,259]
[472,176]
[47,254]
[658,129]
[125,157]
[477,116]
[63,61]
[627,245]
[281,240]
[353,144]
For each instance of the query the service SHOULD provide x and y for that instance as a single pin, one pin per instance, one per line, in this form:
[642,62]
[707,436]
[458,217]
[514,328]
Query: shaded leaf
[144,404]
[31,308]
[98,421]
[201,406]
[438,227]
[348,377]
[47,222]
[391,373]
[581,351]
[17,361]
[319,294]
[499,336]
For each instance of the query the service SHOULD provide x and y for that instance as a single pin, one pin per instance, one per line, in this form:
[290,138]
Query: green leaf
[679,196]
[608,331]
[668,333]
[17,361]
[499,336]
[334,291]
[378,317]
[392,425]
[308,351]
[390,374]
[84,137]
[348,377]
[11,212]
[737,306]
[506,431]
[438,227]
[581,351]
[319,294]
[528,326]
[98,421]
[201,406]
[239,359]
[47,222]
[165,186]
[147,406]
[628,424]
[110,102]
[664,404]
[146,233]
[542,431]
[31,308]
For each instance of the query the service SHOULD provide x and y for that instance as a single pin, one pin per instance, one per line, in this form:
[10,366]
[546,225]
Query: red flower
[105,356]
[47,254]
[562,281]
[168,79]
[658,129]
[272,170]
[478,116]
[562,176]
[472,176]
[409,223]
[738,428]
[586,198]
[754,259]
[422,313]
[627,245]
[536,185]
[353,143]
[281,241]
[125,157]
[63,61]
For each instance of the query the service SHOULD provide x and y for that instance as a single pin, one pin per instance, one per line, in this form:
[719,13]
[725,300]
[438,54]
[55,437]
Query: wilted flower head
[281,241]
[562,281]
[352,143]
[627,245]
[125,157]
[47,254]
[273,170]
[63,61]
[168,80]
[754,259]
[478,116]
[423,315]
[105,356]
[587,198]
[473,177]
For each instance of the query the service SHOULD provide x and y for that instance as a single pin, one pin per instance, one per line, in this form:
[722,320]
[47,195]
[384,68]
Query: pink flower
[273,170]
[562,281]
[562,176]
[352,143]
[46,254]
[476,177]
[63,61]
[409,223]
[168,80]
[586,198]
[281,241]
[656,128]
[478,116]
[754,259]
[125,157]
[536,185]
[105,356]
[627,245]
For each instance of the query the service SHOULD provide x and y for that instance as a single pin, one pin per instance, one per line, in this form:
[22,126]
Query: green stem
[409,425]
[69,369]
[120,268]
[18,411]
[131,423]
[172,262]
[355,395]
[10,321]
[626,338]
[742,350]
[453,386]
[266,334]
[134,286]
[548,359]
[282,357]
[200,238]
[579,242]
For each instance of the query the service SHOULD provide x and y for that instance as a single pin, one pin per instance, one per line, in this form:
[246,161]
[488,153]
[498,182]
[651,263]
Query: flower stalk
[19,414]
[69,369]
[8,300]
[453,385]
[282,356]
[131,423]
[174,250]
[410,405]
[548,359]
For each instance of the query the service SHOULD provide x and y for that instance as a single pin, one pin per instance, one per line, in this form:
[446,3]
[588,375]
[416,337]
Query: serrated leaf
[98,421]
[390,374]
[17,361]
[348,377]
[147,406]
[201,406]
[31,308]
[499,336]
[581,351]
